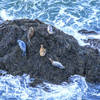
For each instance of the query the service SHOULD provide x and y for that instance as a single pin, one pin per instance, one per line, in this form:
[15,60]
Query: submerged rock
[87,32]
[60,47]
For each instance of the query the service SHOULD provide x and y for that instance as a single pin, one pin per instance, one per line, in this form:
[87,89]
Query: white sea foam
[93,92]
[17,87]
[3,72]
[96,94]
[5,16]
[93,36]
[69,16]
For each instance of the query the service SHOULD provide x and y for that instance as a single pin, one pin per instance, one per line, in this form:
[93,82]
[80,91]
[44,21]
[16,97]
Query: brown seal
[30,34]
[42,50]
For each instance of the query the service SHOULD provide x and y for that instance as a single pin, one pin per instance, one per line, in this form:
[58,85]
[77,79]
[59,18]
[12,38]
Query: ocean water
[67,15]
[17,88]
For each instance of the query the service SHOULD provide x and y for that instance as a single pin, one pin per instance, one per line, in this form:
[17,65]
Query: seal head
[50,29]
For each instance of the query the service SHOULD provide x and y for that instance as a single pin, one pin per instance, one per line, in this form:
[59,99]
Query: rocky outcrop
[94,43]
[61,47]
[87,32]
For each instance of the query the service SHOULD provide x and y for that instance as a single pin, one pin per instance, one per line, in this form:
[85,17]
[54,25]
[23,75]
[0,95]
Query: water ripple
[67,15]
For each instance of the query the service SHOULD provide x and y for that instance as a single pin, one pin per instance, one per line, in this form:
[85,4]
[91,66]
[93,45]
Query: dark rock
[86,32]
[94,43]
[60,47]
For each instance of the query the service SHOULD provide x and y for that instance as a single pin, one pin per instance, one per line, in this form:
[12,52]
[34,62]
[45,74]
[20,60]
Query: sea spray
[17,87]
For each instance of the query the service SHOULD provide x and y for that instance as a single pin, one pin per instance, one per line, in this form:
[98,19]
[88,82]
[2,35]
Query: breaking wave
[18,88]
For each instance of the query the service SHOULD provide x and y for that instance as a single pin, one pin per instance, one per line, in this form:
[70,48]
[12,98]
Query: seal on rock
[56,64]
[22,46]
[42,50]
[50,29]
[30,34]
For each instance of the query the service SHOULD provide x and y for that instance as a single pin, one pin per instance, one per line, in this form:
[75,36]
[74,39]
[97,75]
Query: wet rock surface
[59,46]
[87,32]
[94,43]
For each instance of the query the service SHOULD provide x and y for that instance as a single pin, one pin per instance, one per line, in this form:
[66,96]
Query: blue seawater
[67,15]
[18,88]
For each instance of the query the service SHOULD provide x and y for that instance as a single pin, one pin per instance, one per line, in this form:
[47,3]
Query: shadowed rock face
[59,46]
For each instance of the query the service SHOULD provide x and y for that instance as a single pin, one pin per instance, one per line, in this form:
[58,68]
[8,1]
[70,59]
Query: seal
[50,29]
[30,34]
[22,46]
[56,64]
[42,50]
